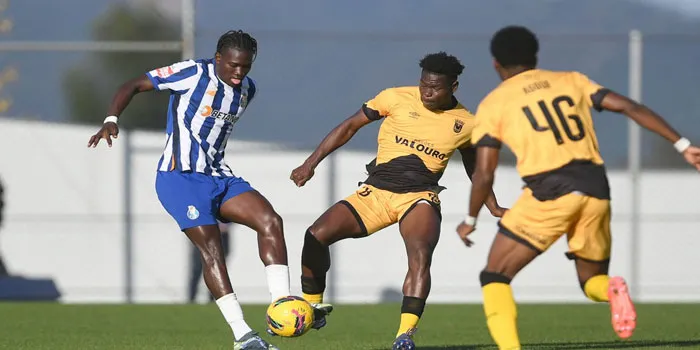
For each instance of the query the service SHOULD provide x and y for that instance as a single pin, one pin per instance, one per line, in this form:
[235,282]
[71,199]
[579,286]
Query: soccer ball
[290,316]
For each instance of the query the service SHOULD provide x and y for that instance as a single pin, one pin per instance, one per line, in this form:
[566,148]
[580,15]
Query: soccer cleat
[624,316]
[320,313]
[252,341]
[404,341]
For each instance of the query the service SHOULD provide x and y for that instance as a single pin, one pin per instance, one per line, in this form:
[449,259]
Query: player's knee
[487,277]
[420,257]
[272,225]
[320,233]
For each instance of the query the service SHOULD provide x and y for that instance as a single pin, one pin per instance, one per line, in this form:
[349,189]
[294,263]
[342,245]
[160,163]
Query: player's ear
[217,56]
[455,85]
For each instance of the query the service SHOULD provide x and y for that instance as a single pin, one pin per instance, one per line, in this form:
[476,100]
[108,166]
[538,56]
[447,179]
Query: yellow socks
[596,288]
[411,311]
[408,321]
[501,315]
[313,298]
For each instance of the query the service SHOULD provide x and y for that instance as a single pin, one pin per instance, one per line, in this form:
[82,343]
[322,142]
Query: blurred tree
[89,86]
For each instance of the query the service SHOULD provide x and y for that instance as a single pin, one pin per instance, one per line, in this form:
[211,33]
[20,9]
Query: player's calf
[315,261]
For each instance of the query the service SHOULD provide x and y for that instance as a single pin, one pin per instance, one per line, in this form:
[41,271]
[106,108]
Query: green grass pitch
[39,326]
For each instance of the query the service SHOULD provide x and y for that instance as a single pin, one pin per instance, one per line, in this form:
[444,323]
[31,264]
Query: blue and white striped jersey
[201,114]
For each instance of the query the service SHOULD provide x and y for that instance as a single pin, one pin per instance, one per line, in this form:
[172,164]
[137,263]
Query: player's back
[544,117]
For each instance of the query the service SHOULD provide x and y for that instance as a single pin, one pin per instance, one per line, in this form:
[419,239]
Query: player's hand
[302,174]
[107,131]
[499,212]
[464,230]
[692,156]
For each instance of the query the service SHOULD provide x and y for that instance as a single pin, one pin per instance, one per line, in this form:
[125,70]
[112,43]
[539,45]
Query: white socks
[231,309]
[277,281]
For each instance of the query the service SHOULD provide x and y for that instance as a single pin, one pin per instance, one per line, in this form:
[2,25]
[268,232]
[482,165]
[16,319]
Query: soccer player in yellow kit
[544,117]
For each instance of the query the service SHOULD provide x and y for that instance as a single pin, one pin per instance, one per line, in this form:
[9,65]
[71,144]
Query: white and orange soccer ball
[290,316]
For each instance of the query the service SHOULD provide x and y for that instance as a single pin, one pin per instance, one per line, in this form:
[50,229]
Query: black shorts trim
[572,256]
[435,206]
[508,233]
[356,215]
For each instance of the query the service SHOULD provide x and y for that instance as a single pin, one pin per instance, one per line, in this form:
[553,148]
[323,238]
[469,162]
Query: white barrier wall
[64,220]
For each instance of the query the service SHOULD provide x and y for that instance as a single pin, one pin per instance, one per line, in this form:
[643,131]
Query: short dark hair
[442,63]
[515,46]
[237,39]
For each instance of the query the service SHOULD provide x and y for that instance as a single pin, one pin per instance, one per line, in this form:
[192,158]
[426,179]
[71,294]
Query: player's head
[438,80]
[235,53]
[514,49]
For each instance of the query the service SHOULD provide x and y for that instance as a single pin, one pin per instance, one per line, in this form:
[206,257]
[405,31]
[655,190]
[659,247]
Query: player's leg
[335,224]
[526,230]
[508,255]
[358,215]
[187,198]
[420,230]
[248,207]
[589,246]
[195,274]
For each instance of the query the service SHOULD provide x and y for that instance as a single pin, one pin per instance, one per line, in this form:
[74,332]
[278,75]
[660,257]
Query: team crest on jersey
[244,100]
[192,212]
[457,128]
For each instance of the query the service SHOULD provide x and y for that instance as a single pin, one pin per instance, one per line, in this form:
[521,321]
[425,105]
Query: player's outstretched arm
[120,100]
[650,120]
[469,161]
[339,136]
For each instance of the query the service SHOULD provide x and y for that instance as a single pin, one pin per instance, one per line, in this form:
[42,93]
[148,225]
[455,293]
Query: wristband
[111,119]
[682,145]
[470,220]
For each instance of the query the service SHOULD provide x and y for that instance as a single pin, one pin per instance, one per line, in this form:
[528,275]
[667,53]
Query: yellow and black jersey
[544,118]
[415,143]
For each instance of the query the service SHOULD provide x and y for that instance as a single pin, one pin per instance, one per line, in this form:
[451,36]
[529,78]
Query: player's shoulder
[570,75]
[250,82]
[400,91]
[494,97]
[462,111]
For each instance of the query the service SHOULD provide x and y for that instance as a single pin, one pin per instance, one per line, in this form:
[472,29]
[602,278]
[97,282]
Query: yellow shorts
[585,220]
[376,209]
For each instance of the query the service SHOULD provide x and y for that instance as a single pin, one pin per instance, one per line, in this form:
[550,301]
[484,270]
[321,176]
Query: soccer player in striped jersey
[194,184]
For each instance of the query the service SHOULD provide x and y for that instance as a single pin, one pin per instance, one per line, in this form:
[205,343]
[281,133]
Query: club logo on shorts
[192,212]
[458,126]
